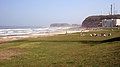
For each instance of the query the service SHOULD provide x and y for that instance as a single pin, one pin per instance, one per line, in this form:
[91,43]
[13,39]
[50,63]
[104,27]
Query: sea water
[36,31]
[26,31]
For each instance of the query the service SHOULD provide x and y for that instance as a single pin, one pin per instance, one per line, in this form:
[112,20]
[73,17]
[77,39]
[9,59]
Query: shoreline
[35,35]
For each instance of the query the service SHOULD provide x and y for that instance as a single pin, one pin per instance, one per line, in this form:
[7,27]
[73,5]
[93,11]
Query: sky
[45,12]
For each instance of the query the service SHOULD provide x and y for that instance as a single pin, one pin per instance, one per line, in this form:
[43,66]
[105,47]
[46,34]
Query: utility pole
[111,9]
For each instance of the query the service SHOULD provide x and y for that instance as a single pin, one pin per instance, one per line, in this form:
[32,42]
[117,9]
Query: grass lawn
[71,50]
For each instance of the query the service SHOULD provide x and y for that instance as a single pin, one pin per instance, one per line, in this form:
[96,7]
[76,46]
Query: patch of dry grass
[7,54]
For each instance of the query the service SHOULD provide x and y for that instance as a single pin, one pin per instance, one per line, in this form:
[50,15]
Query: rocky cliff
[95,21]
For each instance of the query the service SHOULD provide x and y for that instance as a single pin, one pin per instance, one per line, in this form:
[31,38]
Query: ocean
[27,31]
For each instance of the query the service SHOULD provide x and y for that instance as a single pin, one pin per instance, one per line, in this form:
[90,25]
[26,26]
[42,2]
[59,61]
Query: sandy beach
[35,35]
[16,34]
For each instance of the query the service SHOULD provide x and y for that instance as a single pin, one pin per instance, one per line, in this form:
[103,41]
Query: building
[117,22]
[110,22]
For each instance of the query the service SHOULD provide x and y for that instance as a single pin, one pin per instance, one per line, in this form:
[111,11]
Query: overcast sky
[45,12]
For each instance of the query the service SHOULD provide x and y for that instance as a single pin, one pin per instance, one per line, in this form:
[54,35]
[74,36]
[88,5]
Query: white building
[117,22]
[109,23]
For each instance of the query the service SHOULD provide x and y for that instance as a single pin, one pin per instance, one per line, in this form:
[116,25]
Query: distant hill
[64,25]
[75,25]
[60,25]
[94,21]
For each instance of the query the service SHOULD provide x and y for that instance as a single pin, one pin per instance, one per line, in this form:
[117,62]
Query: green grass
[71,50]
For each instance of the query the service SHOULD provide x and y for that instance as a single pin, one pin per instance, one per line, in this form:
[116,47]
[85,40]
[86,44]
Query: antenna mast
[111,9]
